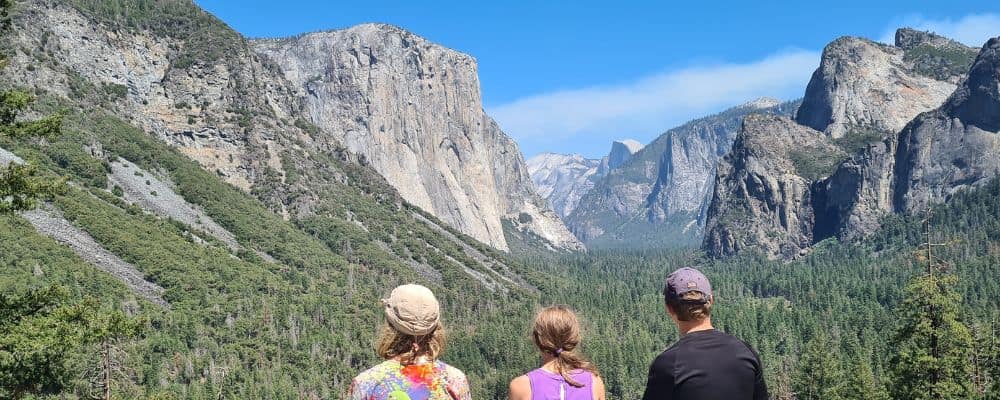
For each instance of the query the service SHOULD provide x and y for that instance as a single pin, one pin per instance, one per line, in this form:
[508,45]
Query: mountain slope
[189,163]
[658,196]
[413,110]
[955,146]
[562,180]
[939,152]
[766,179]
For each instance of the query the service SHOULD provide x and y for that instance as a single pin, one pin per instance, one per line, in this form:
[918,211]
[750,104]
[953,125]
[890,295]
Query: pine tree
[992,365]
[861,383]
[932,359]
[819,375]
[38,331]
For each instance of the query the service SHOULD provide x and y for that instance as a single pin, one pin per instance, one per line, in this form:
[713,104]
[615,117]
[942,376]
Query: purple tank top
[547,385]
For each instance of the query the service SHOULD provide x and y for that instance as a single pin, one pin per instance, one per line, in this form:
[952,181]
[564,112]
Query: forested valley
[251,301]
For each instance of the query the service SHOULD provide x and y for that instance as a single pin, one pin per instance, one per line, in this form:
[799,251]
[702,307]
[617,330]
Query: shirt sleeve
[660,383]
[759,385]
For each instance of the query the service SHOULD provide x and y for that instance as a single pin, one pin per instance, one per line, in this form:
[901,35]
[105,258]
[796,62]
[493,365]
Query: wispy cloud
[649,105]
[972,30]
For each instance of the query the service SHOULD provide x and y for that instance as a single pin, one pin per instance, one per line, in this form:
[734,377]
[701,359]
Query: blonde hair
[391,343]
[692,306]
[557,332]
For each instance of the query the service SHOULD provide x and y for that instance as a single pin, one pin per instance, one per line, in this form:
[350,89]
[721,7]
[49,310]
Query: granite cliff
[901,144]
[657,198]
[413,109]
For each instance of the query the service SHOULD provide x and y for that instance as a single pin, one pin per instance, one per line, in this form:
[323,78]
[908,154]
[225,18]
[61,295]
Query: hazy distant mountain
[656,198]
[562,179]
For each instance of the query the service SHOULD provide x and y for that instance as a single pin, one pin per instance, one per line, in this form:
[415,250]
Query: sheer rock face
[413,110]
[952,147]
[761,198]
[234,111]
[621,152]
[955,146]
[660,194]
[949,148]
[862,85]
[850,203]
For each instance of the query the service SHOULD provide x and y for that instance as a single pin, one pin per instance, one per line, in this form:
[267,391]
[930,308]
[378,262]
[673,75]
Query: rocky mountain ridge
[232,110]
[658,197]
[562,179]
[897,147]
[886,87]
[177,74]
[413,109]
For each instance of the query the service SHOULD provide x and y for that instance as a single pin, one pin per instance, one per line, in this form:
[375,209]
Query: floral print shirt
[391,380]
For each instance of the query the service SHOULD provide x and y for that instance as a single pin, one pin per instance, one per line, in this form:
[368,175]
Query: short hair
[691,306]
[391,343]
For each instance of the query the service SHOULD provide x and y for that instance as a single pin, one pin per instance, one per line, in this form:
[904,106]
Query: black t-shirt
[706,365]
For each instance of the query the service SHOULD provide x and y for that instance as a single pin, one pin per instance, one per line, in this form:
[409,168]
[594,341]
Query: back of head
[412,327]
[557,332]
[688,293]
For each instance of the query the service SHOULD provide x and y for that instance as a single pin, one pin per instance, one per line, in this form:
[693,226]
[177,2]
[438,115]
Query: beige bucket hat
[412,309]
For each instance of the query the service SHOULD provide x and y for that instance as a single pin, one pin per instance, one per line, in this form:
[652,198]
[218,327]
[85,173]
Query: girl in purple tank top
[565,374]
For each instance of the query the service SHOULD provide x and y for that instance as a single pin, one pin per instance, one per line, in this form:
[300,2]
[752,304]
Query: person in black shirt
[704,364]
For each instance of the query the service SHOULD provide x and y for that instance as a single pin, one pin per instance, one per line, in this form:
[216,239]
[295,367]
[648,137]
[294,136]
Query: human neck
[686,327]
[418,360]
[549,362]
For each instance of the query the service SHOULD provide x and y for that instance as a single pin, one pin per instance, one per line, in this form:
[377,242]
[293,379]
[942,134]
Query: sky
[571,77]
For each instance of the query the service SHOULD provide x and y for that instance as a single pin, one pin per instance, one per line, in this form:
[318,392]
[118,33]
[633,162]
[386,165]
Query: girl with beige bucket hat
[410,341]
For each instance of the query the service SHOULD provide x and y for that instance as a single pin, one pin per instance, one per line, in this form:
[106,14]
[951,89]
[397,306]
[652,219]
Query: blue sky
[573,76]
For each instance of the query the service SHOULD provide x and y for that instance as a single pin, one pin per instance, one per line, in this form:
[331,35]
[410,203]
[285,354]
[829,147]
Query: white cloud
[652,104]
[972,30]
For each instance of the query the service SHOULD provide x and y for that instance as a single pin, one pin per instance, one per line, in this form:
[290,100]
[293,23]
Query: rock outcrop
[233,110]
[621,152]
[50,222]
[762,198]
[212,98]
[863,87]
[657,198]
[955,146]
[413,110]
[851,203]
[951,147]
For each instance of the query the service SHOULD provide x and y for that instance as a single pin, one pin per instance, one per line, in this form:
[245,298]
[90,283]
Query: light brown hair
[392,343]
[692,306]
[557,332]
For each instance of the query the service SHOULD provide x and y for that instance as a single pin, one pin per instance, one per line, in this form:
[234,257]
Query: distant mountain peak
[621,152]
[632,145]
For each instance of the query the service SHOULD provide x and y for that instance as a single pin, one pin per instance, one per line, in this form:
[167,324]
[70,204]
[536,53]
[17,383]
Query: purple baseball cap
[686,280]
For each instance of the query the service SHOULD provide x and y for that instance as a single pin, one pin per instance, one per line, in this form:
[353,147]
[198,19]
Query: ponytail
[568,361]
[557,332]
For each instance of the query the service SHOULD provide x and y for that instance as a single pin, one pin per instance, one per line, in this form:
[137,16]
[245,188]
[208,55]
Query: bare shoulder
[454,373]
[520,388]
[599,391]
[458,384]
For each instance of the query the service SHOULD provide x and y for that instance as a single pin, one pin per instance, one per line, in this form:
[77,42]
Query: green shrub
[814,164]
